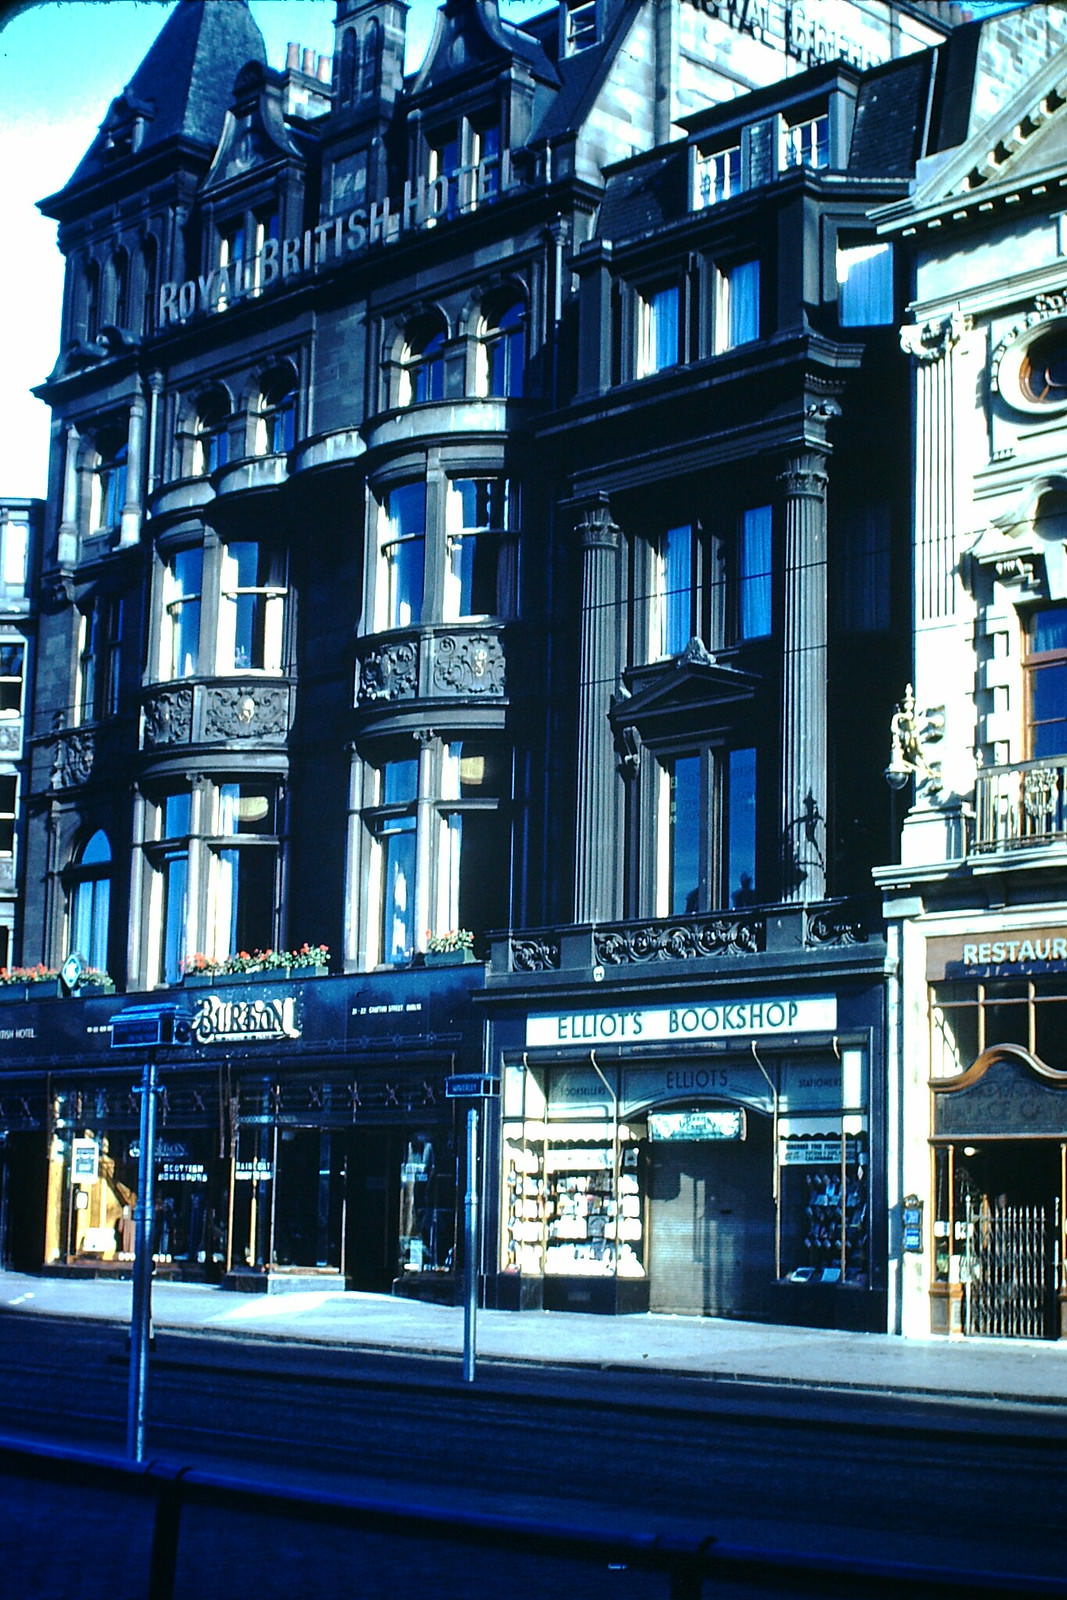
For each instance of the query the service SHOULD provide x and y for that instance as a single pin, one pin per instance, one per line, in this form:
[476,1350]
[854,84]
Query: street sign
[471,1086]
[140,1026]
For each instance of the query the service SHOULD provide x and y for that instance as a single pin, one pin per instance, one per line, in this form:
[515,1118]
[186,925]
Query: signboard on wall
[716,1124]
[719,1019]
[992,951]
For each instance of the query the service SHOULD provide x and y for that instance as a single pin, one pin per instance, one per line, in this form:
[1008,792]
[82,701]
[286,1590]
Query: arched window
[89,900]
[504,347]
[368,60]
[149,261]
[424,362]
[277,413]
[349,49]
[212,432]
[119,290]
[92,300]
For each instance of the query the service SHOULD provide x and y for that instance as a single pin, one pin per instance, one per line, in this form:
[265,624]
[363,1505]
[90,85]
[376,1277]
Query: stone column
[598,821]
[804,779]
[67,550]
[130,526]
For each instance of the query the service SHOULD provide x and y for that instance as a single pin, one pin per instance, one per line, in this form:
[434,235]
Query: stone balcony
[214,711]
[731,938]
[460,661]
[1020,807]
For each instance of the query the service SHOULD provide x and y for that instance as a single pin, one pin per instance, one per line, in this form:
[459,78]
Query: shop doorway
[712,1225]
[23,1203]
[1009,1205]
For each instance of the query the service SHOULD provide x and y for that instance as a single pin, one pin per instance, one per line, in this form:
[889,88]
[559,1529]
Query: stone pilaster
[598,831]
[804,779]
[936,468]
[130,527]
[67,549]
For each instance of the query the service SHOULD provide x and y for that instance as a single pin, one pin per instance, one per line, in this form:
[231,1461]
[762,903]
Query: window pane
[243,902]
[244,808]
[1048,710]
[754,610]
[175,890]
[1048,631]
[404,554]
[658,332]
[473,770]
[741,827]
[865,280]
[677,576]
[479,850]
[176,814]
[743,291]
[400,782]
[684,779]
[89,909]
[16,544]
[397,838]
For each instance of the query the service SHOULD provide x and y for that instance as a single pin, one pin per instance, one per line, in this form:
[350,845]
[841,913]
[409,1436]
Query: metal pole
[470,1312]
[141,1313]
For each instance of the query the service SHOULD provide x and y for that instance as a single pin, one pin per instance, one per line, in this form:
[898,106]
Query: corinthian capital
[930,341]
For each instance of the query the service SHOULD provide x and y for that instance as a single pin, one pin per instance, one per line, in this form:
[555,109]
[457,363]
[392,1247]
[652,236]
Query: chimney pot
[292,58]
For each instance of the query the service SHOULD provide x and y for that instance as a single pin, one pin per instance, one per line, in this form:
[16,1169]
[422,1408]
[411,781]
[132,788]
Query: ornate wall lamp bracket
[909,732]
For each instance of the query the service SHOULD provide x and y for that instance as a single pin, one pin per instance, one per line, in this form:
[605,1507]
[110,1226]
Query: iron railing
[1009,1270]
[692,1568]
[1020,806]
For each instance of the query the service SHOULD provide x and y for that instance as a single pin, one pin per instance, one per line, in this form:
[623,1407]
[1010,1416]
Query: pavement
[1016,1371]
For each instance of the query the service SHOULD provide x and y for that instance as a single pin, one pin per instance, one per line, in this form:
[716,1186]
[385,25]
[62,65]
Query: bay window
[403,548]
[251,608]
[214,849]
[480,524]
[183,579]
[439,841]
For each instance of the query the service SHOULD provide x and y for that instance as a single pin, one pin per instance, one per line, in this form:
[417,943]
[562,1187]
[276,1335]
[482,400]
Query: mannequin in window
[416,1170]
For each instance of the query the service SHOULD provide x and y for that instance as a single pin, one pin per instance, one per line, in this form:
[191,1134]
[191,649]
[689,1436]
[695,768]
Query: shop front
[303,1134]
[710,1157]
[998,1027]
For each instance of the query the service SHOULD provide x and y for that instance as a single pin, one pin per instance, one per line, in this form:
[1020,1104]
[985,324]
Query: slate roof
[185,82]
[890,113]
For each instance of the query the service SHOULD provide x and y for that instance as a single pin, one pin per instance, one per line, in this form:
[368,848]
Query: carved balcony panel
[680,939]
[449,662]
[254,711]
[836,923]
[83,755]
[1020,807]
[11,729]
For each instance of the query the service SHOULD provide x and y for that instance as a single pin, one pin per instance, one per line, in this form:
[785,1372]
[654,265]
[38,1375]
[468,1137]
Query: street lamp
[909,731]
[145,1028]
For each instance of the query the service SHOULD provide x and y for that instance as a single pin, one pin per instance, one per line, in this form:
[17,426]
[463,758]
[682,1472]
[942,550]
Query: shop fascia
[720,1019]
[425,204]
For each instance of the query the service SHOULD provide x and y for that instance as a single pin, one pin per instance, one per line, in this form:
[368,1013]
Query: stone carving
[1040,789]
[390,672]
[246,711]
[168,718]
[835,925]
[534,955]
[11,736]
[74,758]
[468,664]
[680,941]
[930,341]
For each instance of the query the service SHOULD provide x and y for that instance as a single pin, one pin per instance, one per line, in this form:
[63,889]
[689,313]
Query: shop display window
[969,1018]
[824,1209]
[575,1201]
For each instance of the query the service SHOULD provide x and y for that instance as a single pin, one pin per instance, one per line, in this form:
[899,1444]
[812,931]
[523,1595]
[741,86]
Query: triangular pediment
[688,689]
[1025,138]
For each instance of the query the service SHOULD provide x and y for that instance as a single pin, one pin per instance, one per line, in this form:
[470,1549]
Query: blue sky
[61,64]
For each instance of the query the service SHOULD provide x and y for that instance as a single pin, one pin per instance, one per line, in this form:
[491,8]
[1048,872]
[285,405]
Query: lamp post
[145,1028]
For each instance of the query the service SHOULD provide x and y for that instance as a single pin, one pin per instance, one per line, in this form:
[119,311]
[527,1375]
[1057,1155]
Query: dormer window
[464,163]
[727,164]
[807,143]
[580,25]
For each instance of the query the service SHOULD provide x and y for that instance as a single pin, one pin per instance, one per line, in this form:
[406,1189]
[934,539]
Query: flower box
[449,958]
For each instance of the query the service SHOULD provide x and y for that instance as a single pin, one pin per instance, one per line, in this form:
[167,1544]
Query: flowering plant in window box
[307,958]
[34,981]
[454,946]
[10,976]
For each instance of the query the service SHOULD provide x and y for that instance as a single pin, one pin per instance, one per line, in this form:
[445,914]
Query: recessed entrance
[712,1224]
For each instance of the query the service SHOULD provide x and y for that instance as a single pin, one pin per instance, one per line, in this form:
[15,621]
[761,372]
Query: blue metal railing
[691,1567]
